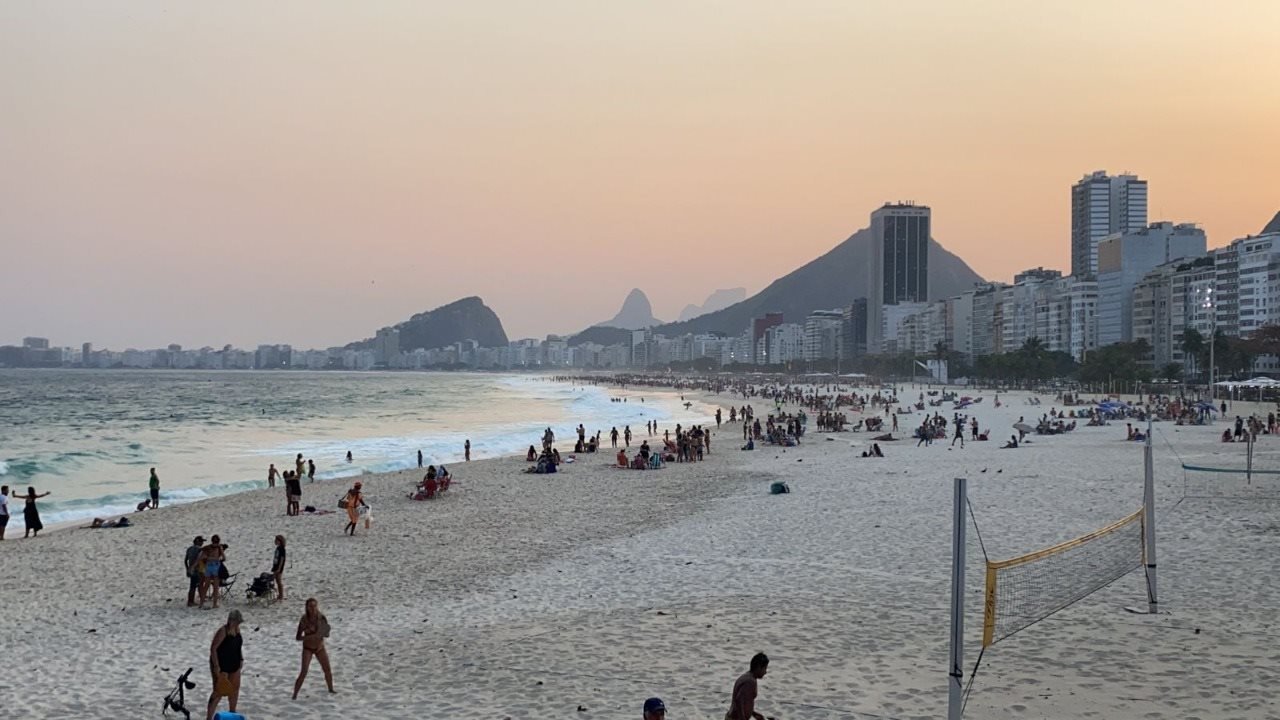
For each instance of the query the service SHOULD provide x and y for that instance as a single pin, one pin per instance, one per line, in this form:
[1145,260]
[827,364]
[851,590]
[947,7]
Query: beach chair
[263,588]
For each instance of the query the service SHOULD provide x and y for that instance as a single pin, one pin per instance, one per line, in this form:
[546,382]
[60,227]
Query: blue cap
[654,705]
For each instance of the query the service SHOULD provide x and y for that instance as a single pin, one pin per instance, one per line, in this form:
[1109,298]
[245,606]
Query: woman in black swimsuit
[225,662]
[31,515]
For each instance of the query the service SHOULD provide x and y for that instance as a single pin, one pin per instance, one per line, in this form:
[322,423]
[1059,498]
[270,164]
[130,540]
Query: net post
[1149,523]
[1248,461]
[955,679]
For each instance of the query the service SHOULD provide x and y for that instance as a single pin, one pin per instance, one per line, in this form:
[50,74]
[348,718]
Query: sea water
[91,436]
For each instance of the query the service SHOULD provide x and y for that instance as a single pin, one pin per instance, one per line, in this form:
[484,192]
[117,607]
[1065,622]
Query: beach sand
[582,593]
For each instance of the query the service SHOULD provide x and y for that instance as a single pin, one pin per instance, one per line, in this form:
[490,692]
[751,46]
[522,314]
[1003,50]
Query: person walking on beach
[613,436]
[277,567]
[272,474]
[354,498]
[311,470]
[154,484]
[466,450]
[192,561]
[226,661]
[959,434]
[30,513]
[4,509]
[626,435]
[742,706]
[419,459]
[313,628]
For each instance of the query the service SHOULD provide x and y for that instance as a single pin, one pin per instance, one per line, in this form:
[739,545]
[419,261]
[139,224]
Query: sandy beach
[582,593]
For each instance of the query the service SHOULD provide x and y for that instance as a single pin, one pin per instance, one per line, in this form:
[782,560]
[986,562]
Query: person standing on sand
[30,513]
[613,436]
[742,706]
[277,567]
[154,484]
[311,470]
[272,474]
[293,492]
[192,562]
[313,628]
[226,661]
[626,435]
[419,459]
[4,509]
[209,565]
[355,498]
[959,433]
[299,467]
[466,450]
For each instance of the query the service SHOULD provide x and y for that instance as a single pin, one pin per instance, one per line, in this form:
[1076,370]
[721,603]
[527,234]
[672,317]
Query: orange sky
[304,171]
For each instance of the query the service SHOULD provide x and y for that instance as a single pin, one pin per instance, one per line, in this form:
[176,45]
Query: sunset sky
[308,171]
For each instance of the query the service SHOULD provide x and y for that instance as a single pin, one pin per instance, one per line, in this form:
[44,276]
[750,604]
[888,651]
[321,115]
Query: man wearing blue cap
[654,709]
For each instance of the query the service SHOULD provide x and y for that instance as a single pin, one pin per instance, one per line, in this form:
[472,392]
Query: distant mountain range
[465,319]
[718,300]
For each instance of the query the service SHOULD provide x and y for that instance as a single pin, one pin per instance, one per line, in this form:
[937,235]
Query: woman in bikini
[355,499]
[313,628]
[210,569]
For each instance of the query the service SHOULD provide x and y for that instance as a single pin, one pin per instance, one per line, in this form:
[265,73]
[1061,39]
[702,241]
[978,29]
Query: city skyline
[227,174]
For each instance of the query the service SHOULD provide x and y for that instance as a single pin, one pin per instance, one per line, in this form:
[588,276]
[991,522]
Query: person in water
[226,661]
[313,628]
[272,475]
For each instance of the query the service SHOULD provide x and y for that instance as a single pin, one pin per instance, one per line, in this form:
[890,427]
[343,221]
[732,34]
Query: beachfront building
[897,269]
[1124,258]
[823,334]
[853,334]
[1103,205]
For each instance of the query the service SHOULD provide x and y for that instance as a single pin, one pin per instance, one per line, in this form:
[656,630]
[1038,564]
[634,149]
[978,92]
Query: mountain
[1273,226]
[719,300]
[831,281]
[636,313]
[465,319]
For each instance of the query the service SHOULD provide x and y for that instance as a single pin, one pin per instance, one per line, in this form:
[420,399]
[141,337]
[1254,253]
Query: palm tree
[1192,346]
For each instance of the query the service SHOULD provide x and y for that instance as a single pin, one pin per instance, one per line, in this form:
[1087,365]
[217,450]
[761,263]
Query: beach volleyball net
[1024,590]
[1021,591]
[1240,471]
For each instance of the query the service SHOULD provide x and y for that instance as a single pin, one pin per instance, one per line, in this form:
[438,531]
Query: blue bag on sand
[227,715]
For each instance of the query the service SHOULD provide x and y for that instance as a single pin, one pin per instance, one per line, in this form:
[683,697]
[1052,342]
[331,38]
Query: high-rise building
[1124,258]
[759,326]
[898,267]
[1103,205]
[35,343]
[823,334]
[386,345]
[854,332]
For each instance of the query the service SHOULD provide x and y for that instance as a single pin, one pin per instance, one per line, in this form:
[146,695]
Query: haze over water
[90,437]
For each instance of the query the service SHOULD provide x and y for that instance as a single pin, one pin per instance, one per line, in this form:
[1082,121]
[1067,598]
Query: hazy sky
[307,171]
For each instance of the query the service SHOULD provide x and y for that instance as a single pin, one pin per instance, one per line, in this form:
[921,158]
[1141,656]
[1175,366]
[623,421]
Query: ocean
[90,437]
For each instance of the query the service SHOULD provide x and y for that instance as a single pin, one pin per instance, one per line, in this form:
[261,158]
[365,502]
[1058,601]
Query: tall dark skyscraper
[899,263]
